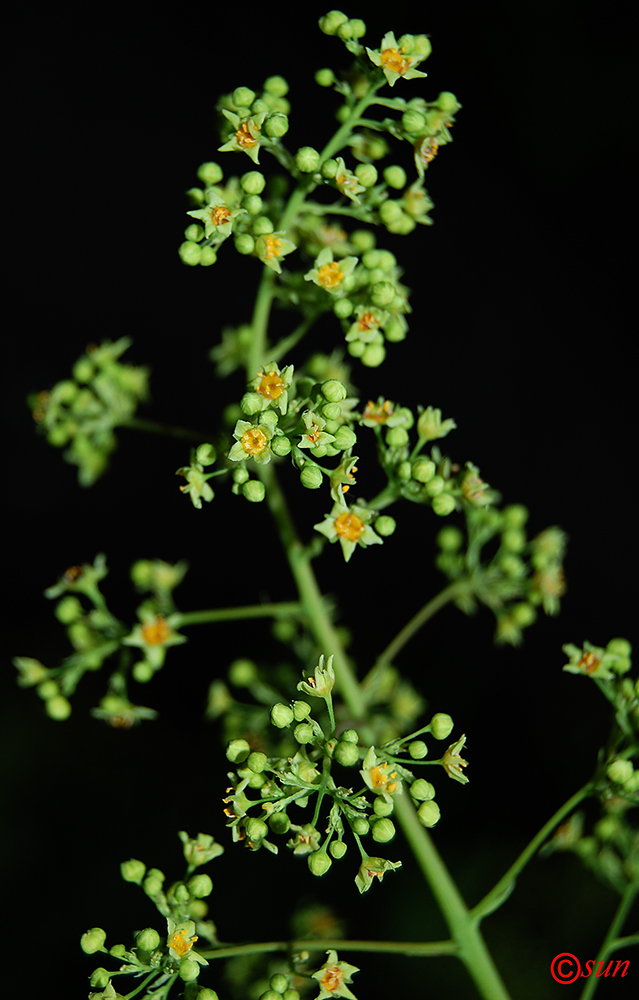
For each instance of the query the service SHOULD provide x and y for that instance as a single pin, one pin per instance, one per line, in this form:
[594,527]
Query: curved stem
[609,943]
[450,593]
[414,949]
[500,892]
[281,609]
[155,427]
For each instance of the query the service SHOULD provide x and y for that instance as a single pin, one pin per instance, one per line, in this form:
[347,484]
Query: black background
[522,330]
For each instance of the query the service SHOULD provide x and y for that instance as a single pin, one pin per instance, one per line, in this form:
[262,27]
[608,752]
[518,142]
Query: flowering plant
[325,748]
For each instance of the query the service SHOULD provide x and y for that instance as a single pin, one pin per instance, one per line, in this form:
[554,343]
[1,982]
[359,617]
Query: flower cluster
[285,783]
[82,412]
[96,636]
[162,957]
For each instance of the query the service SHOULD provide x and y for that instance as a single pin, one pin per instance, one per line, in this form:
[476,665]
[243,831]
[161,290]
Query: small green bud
[205,454]
[360,826]
[208,257]
[189,970]
[262,226]
[240,475]
[620,647]
[413,122]
[450,539]
[319,863]
[329,169]
[194,232]
[279,822]
[278,982]
[395,330]
[148,939]
[325,77]
[444,504]
[435,486]
[515,515]
[357,27]
[373,355]
[237,751]
[280,445]
[395,177]
[244,243]
[333,391]
[620,771]
[382,293]
[366,174]
[270,995]
[396,437]
[253,204]
[422,790]
[343,308]
[356,348]
[417,749]
[117,950]
[190,253]
[350,736]
[290,995]
[207,994]
[257,761]
[330,23]
[276,125]
[382,807]
[153,882]
[514,540]
[210,173]
[58,708]
[93,940]
[338,849]
[68,609]
[256,829]
[346,754]
[383,831]
[243,97]
[200,886]
[385,525]
[441,725]
[344,438]
[281,715]
[311,476]
[251,403]
[523,614]
[429,813]
[404,471]
[423,470]
[307,160]
[254,490]
[83,370]
[301,710]
[100,977]
[304,732]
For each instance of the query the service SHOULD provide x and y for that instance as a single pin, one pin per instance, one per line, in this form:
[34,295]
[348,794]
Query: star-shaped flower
[271,248]
[329,274]
[349,526]
[372,868]
[393,61]
[246,135]
[252,441]
[333,977]
[218,216]
[453,763]
[272,384]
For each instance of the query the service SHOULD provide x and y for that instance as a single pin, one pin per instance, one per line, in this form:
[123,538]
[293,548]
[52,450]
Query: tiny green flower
[343,477]
[329,274]
[430,425]
[321,682]
[372,868]
[217,216]
[368,321]
[199,850]
[246,135]
[453,763]
[314,435]
[393,62]
[252,441]
[347,182]
[349,526]
[333,977]
[380,776]
[271,247]
[591,661]
[272,385]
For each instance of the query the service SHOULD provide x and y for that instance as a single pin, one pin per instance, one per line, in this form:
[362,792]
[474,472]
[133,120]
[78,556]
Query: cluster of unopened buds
[292,781]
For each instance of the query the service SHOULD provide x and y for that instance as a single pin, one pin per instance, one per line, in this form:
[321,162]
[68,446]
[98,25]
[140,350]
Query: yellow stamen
[393,60]
[590,662]
[179,943]
[329,275]
[220,215]
[157,632]
[243,136]
[254,441]
[271,385]
[349,526]
[332,979]
[272,247]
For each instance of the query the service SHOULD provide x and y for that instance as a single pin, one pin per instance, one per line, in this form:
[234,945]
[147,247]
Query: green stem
[279,609]
[259,323]
[450,593]
[464,930]
[415,949]
[609,943]
[500,892]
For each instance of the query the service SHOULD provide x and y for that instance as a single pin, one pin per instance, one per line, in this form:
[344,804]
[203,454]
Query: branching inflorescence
[333,767]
